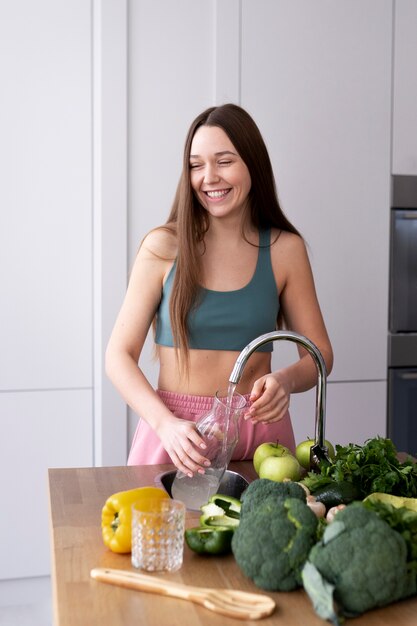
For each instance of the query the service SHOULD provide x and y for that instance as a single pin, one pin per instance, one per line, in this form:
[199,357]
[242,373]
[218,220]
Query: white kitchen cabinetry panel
[404,131]
[171,80]
[38,430]
[355,412]
[319,87]
[45,195]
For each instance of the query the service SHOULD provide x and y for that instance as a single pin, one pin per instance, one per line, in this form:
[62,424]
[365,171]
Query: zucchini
[335,493]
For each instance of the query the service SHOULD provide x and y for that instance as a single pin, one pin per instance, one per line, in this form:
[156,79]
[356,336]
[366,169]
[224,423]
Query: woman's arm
[125,346]
[302,314]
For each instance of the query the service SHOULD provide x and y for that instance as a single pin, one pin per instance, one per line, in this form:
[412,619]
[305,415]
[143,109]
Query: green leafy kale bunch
[373,467]
[273,540]
[262,488]
[360,563]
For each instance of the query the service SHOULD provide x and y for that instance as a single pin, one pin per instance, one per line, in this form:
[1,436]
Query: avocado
[335,493]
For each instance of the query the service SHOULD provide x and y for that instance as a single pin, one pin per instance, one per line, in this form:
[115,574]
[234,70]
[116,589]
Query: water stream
[229,408]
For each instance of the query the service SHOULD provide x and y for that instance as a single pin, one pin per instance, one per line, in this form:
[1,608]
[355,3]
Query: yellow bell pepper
[116,516]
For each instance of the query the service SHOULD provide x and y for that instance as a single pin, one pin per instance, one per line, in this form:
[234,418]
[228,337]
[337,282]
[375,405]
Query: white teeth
[217,194]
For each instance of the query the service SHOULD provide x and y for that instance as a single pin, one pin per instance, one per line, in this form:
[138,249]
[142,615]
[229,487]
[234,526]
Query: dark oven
[402,337]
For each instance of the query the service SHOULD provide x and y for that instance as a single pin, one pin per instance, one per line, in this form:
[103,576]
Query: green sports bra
[228,320]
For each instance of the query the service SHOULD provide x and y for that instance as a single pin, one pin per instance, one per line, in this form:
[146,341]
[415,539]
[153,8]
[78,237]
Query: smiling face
[219,177]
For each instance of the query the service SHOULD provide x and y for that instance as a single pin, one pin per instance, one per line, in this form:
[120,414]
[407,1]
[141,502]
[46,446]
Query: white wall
[404,138]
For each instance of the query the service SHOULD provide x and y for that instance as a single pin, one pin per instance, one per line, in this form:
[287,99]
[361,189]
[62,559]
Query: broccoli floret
[360,563]
[401,519]
[263,488]
[272,542]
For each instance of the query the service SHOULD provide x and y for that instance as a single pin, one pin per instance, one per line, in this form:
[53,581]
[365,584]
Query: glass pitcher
[219,428]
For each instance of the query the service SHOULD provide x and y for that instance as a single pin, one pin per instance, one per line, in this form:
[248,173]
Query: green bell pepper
[231,506]
[221,511]
[209,540]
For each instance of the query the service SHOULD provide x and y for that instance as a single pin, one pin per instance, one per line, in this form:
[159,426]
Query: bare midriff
[209,371]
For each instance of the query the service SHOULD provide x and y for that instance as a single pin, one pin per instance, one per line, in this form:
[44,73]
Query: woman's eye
[194,166]
[224,162]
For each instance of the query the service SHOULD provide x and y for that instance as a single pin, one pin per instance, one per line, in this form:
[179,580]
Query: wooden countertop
[76,500]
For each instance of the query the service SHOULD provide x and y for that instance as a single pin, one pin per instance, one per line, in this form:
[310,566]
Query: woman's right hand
[183,444]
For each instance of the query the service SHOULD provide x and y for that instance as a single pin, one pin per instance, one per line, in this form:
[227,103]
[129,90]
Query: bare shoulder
[288,245]
[160,243]
[289,258]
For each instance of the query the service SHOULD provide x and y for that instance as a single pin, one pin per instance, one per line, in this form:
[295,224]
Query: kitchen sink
[232,483]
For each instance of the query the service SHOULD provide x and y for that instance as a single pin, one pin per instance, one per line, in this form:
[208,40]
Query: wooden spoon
[230,602]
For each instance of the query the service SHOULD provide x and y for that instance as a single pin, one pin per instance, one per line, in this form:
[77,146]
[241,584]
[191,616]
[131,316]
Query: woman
[226,267]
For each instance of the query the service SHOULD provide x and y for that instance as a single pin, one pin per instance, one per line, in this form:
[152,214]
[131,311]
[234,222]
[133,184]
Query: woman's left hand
[270,398]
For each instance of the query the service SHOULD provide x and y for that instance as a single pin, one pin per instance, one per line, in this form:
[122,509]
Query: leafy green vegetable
[401,519]
[273,541]
[371,467]
[359,564]
[320,593]
[261,489]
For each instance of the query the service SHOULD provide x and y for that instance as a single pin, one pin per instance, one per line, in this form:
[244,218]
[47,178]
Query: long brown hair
[190,219]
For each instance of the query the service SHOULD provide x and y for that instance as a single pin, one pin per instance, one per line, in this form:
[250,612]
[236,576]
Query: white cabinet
[165,95]
[45,196]
[355,412]
[404,131]
[40,429]
[46,248]
[171,50]
[319,87]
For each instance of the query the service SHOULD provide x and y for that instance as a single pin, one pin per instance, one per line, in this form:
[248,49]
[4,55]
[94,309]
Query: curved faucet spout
[318,450]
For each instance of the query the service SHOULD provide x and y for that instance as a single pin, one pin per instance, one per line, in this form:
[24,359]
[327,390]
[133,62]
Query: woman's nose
[211,174]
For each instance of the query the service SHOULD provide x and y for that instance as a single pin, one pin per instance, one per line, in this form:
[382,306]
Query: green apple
[268,449]
[302,452]
[279,468]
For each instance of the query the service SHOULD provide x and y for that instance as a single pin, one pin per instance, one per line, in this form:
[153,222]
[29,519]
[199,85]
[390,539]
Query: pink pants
[147,448]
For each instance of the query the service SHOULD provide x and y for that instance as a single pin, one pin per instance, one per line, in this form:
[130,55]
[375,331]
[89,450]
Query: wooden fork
[240,604]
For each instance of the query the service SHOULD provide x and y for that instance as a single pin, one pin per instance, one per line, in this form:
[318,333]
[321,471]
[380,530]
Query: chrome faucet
[319,452]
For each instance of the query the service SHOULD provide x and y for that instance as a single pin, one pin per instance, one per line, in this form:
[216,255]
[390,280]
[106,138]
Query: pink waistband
[147,448]
[176,401]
